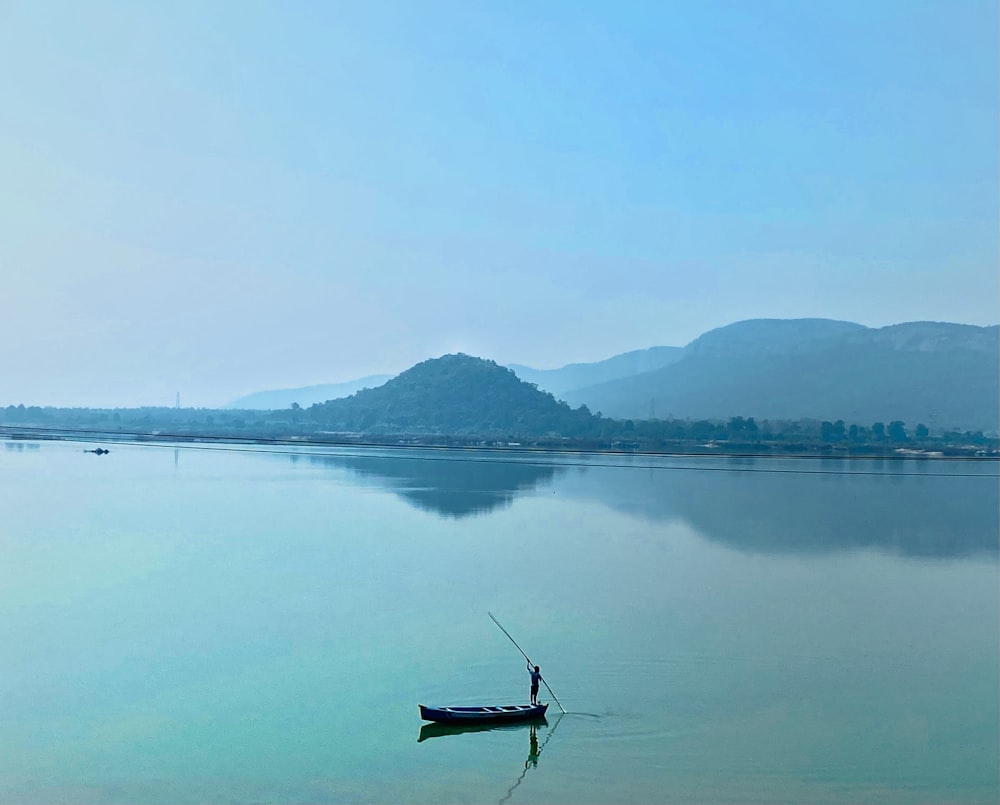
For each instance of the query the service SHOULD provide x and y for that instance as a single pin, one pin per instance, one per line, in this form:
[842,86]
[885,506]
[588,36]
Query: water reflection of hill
[932,509]
[450,485]
[916,509]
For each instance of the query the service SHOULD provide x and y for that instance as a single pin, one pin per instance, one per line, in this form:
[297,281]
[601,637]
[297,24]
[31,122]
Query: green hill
[558,381]
[454,395]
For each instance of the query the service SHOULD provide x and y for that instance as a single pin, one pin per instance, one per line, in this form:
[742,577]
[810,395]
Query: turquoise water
[242,625]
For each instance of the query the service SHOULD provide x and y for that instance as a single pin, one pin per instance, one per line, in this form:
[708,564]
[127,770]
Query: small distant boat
[485,714]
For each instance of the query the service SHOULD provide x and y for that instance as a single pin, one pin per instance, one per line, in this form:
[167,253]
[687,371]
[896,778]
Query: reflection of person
[532,747]
[536,677]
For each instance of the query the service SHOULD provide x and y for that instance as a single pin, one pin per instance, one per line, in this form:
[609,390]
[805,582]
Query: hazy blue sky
[220,197]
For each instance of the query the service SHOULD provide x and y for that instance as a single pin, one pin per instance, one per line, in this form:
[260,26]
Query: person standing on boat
[536,677]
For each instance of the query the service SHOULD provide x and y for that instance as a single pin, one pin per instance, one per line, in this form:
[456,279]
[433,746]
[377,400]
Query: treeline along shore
[737,436]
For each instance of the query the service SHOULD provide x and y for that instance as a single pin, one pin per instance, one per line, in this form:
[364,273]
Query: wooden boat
[485,714]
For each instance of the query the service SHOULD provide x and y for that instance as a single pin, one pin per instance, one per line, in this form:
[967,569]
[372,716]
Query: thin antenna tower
[177,400]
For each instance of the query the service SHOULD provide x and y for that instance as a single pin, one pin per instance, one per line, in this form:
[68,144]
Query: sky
[215,198]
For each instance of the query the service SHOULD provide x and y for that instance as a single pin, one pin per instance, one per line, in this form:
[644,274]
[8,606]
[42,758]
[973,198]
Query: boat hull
[487,714]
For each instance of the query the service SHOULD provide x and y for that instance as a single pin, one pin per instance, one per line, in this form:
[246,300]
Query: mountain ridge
[305,395]
[937,372]
[941,373]
[570,376]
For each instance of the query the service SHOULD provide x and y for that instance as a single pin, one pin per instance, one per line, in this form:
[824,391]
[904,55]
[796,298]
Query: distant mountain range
[940,374]
[583,375]
[554,381]
[943,375]
[306,395]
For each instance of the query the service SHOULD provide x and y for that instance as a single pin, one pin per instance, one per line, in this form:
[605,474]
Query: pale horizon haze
[217,198]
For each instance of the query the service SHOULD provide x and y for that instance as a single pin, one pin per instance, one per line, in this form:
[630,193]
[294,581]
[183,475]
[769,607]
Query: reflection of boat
[437,730]
[486,714]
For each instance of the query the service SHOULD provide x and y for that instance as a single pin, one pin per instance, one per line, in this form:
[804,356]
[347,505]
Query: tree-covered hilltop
[454,395]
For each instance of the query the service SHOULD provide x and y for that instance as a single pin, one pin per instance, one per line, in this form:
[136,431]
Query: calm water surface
[224,625]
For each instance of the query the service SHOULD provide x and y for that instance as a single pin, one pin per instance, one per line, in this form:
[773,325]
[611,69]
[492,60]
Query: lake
[183,624]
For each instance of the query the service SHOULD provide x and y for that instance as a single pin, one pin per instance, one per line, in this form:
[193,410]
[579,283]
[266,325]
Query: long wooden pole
[512,640]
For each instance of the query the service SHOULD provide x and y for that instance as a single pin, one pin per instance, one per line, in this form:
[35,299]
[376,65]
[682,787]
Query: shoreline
[679,449]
